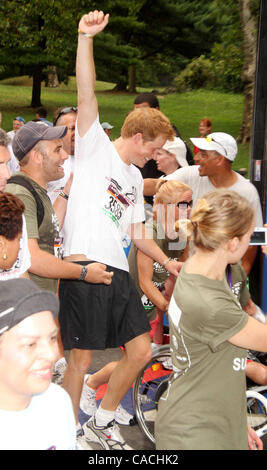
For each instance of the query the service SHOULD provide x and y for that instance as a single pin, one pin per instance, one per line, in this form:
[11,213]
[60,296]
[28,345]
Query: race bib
[115,202]
[147,304]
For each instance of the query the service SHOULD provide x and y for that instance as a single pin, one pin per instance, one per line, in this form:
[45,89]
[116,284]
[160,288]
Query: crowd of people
[69,195]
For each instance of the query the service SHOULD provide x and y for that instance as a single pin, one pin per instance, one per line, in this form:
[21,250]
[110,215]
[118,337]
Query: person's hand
[173,267]
[254,442]
[97,274]
[93,23]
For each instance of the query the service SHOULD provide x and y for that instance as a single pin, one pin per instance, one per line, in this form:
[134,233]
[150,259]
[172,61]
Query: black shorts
[97,316]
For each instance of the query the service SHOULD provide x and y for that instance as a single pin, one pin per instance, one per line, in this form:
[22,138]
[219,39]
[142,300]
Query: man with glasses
[214,170]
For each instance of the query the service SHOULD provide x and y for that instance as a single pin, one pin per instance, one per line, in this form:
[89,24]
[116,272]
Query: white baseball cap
[223,143]
[106,125]
[177,146]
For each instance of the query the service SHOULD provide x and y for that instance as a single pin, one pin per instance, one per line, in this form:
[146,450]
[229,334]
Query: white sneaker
[88,399]
[108,436]
[88,406]
[155,347]
[59,370]
[123,417]
[81,442]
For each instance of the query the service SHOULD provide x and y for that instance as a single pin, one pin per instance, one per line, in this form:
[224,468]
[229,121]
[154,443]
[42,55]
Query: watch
[84,271]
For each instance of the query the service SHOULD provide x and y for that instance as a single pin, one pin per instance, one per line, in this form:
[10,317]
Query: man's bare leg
[102,376]
[78,364]
[137,354]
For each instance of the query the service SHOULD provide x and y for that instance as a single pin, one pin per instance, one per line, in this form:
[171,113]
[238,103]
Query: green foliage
[221,71]
[222,67]
[184,110]
[228,62]
[158,37]
[199,73]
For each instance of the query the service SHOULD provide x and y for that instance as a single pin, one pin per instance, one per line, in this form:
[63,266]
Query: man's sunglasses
[70,109]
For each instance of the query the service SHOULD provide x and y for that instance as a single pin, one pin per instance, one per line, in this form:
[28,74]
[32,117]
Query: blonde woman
[204,406]
[173,200]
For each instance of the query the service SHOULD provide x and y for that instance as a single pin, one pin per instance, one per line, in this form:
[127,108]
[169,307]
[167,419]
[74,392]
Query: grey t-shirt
[204,406]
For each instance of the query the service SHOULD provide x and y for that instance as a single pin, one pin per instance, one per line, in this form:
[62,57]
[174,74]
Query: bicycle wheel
[151,382]
[257,411]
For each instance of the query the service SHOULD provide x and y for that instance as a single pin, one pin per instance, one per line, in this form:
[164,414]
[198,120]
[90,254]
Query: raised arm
[89,26]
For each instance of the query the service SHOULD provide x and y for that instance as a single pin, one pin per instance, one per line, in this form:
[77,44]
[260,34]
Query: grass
[184,110]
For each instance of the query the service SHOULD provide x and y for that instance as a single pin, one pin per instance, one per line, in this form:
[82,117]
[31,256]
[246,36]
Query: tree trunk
[36,87]
[250,32]
[52,78]
[123,81]
[132,79]
[121,86]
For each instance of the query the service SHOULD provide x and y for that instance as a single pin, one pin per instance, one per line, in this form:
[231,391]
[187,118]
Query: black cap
[31,133]
[20,298]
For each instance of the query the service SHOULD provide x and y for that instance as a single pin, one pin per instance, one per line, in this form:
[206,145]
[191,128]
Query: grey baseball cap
[20,298]
[31,133]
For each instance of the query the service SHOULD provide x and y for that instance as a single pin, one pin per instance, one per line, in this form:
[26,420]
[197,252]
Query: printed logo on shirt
[236,288]
[239,363]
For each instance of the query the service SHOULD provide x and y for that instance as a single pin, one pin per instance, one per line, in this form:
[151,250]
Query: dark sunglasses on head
[182,204]
[211,139]
[70,109]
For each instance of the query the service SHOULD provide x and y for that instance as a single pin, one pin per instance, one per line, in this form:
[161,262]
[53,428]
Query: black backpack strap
[189,154]
[19,179]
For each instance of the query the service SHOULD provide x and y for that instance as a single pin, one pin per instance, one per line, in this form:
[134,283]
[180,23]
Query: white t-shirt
[54,187]
[105,198]
[46,424]
[23,261]
[11,134]
[13,164]
[201,185]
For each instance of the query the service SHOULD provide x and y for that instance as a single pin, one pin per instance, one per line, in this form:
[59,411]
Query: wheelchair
[257,400]
[150,384]
[257,409]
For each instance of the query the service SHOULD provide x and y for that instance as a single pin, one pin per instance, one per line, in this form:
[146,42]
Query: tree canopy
[149,37]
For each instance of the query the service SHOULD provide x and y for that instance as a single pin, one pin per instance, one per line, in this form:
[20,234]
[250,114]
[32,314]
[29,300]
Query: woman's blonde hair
[150,122]
[217,218]
[168,192]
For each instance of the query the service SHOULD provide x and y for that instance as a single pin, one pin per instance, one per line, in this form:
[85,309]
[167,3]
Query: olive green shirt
[171,248]
[48,231]
[239,284]
[204,406]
